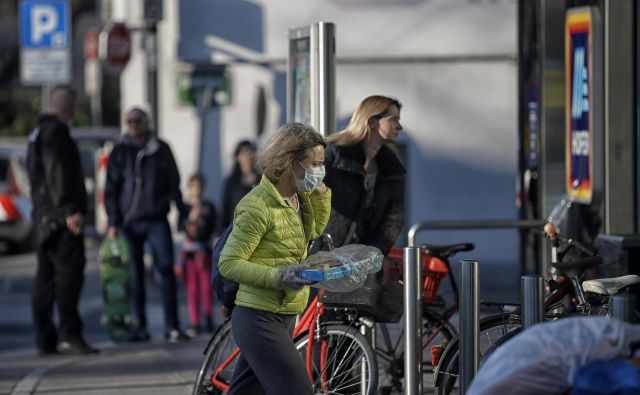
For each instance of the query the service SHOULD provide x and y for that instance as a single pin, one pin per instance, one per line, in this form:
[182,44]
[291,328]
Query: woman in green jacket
[272,226]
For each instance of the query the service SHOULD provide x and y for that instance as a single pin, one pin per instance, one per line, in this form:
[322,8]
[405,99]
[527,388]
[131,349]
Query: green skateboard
[116,289]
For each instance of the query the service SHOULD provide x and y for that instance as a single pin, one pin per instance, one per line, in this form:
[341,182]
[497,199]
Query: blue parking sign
[44,24]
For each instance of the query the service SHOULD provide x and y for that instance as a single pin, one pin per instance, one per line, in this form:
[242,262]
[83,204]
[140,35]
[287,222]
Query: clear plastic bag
[343,269]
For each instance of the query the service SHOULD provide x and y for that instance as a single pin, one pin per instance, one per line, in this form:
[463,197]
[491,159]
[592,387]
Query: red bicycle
[339,357]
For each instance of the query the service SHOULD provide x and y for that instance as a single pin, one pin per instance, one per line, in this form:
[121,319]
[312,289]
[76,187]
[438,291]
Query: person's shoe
[48,352]
[140,335]
[193,331]
[176,336]
[77,347]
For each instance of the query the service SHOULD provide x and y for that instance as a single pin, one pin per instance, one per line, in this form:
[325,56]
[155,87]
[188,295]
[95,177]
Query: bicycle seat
[609,286]
[576,267]
[448,250]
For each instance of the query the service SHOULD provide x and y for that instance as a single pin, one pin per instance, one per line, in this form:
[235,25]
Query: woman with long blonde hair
[366,176]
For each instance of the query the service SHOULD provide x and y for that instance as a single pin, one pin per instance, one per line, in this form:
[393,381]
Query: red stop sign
[115,46]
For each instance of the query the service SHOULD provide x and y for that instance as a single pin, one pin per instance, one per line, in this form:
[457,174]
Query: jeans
[158,236]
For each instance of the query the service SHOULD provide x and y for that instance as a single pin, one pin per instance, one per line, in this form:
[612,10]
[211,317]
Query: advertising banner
[583,55]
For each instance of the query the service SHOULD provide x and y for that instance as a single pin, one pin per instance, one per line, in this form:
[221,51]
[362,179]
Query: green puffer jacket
[267,235]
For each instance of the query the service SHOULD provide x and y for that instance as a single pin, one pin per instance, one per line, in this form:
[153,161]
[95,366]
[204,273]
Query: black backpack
[226,289]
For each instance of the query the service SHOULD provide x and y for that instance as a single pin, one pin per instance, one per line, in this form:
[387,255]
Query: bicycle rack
[469,302]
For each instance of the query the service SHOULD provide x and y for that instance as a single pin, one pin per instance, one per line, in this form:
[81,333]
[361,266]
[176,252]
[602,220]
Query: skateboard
[115,277]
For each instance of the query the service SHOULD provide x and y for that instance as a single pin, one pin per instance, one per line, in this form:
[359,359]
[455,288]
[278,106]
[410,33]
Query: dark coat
[379,224]
[234,191]
[206,222]
[141,182]
[55,170]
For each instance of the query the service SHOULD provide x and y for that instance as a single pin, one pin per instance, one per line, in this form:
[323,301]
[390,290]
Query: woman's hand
[289,277]
[320,189]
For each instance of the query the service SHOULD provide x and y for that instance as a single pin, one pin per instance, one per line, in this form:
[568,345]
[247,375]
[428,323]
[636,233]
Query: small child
[194,262]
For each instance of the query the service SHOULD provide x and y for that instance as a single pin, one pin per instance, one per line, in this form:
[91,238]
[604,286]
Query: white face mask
[312,177]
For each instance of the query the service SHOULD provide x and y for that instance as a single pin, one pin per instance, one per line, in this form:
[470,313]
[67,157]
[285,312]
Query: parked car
[16,223]
[91,141]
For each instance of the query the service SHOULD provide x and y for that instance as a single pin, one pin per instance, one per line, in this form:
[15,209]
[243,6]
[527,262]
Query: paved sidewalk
[155,367]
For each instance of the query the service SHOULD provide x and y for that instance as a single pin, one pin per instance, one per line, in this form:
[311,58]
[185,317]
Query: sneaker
[193,331]
[140,335]
[77,347]
[176,336]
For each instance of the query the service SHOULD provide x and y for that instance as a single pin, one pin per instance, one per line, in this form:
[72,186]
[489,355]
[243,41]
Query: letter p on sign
[44,21]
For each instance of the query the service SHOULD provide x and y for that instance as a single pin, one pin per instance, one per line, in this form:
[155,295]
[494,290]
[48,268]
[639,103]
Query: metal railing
[471,224]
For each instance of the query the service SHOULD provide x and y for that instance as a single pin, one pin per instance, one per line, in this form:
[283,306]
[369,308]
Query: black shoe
[48,352]
[77,347]
[140,335]
[176,336]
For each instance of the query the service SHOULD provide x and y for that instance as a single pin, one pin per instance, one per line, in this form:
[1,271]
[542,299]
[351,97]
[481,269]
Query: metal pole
[532,300]
[151,47]
[46,97]
[623,307]
[412,323]
[326,73]
[469,322]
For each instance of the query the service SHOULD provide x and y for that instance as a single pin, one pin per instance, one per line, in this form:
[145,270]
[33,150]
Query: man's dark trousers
[59,279]
[158,235]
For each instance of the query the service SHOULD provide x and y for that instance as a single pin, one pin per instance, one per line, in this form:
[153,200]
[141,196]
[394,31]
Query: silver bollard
[412,322]
[532,300]
[469,322]
[623,307]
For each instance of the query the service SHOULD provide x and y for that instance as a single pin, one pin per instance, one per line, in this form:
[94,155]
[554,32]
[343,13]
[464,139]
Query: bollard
[623,307]
[412,322]
[469,322]
[532,300]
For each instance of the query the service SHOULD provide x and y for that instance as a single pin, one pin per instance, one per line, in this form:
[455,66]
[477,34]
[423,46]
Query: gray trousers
[269,362]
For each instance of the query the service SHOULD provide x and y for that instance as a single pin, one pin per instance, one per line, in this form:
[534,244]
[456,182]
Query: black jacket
[206,222]
[141,182]
[234,191]
[55,170]
[380,223]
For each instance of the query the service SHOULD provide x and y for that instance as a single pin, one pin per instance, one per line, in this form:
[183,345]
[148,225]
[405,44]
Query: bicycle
[322,342]
[337,356]
[587,298]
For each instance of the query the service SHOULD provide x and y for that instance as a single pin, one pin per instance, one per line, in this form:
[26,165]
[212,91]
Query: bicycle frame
[308,322]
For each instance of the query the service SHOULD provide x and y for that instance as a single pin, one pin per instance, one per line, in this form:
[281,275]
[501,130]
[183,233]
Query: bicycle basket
[433,272]
[379,298]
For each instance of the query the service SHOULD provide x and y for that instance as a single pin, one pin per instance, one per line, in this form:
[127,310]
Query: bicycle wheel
[217,352]
[390,350]
[343,361]
[492,329]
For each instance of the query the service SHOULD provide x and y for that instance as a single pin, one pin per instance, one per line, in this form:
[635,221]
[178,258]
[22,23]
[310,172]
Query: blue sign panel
[44,24]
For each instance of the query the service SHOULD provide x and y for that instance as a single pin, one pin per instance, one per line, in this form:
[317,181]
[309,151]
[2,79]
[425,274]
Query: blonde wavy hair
[291,143]
[375,106]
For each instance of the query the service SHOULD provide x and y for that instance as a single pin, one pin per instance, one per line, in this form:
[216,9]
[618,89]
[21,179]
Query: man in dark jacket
[142,180]
[60,203]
